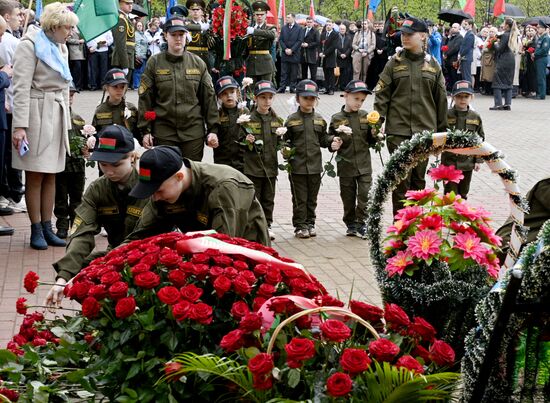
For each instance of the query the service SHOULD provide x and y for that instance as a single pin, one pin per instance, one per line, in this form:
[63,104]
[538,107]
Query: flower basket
[446,287]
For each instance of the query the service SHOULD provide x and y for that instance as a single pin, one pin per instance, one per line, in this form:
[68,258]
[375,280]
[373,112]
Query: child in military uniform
[69,184]
[260,160]
[354,168]
[106,203]
[306,133]
[461,117]
[230,134]
[115,110]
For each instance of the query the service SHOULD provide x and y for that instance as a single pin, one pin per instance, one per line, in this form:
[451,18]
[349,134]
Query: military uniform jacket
[260,41]
[179,89]
[355,148]
[263,127]
[307,132]
[463,120]
[220,198]
[108,114]
[229,152]
[105,205]
[411,95]
[543,46]
[75,163]
[198,44]
[124,43]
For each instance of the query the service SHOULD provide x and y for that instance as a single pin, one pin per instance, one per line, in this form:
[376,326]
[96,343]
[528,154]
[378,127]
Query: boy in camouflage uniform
[69,184]
[354,168]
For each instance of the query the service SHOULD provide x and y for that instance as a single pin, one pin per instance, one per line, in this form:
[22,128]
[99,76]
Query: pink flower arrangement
[446,173]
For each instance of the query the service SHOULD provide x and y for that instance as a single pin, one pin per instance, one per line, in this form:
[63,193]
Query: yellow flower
[373,117]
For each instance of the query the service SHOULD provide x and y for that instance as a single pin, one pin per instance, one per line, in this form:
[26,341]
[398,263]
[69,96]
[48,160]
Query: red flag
[470,7]
[282,10]
[499,8]
[270,17]
[356,5]
[311,10]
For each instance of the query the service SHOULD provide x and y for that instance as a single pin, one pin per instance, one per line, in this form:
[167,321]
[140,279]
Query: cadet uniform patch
[202,218]
[76,223]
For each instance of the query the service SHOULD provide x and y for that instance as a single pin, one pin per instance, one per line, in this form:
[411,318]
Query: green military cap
[260,6]
[195,3]
[175,24]
[307,88]
[264,86]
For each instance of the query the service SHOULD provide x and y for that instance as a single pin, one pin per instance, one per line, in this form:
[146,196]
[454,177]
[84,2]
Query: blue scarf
[49,53]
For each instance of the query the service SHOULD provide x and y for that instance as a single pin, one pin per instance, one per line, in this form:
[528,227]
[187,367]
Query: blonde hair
[513,42]
[56,15]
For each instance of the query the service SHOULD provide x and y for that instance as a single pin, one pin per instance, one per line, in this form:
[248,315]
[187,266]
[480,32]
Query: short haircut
[309,19]
[56,15]
[7,6]
[292,15]
[469,21]
[329,20]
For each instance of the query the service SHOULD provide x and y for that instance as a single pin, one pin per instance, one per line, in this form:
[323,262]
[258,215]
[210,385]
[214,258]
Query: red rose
[11,394]
[201,271]
[232,341]
[300,349]
[249,276]
[368,312]
[222,285]
[110,277]
[147,280]
[169,295]
[90,308]
[99,292]
[273,276]
[442,354]
[260,269]
[261,364]
[410,363]
[200,258]
[239,309]
[421,352]
[125,307]
[177,277]
[134,256]
[89,338]
[140,268]
[383,350]
[118,290]
[240,265]
[230,272]
[30,282]
[444,48]
[150,259]
[150,115]
[170,259]
[223,260]
[250,322]
[21,306]
[14,348]
[257,303]
[334,330]
[531,49]
[191,293]
[395,316]
[117,262]
[187,267]
[171,368]
[79,291]
[37,342]
[266,290]
[241,286]
[422,328]
[201,313]
[354,360]
[339,385]
[280,305]
[181,310]
[216,271]
[262,382]
[329,300]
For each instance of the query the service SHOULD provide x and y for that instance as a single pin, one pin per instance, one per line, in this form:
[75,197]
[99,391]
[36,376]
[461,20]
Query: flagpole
[27,17]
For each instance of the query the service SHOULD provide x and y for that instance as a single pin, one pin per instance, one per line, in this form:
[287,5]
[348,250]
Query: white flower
[243,119]
[344,129]
[380,137]
[88,130]
[90,142]
[247,81]
[127,113]
[281,131]
[241,105]
[427,58]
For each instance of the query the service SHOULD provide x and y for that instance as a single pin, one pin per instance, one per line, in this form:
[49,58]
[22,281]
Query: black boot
[49,236]
[37,237]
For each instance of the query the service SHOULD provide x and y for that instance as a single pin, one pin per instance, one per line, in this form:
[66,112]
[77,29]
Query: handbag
[337,71]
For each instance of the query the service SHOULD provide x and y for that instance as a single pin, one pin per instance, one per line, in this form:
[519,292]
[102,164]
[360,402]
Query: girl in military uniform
[461,117]
[106,203]
[306,133]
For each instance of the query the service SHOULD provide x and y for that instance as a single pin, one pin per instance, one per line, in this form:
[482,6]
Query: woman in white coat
[41,117]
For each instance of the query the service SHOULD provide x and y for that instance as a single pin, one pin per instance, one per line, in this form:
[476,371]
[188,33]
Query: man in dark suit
[329,42]
[466,52]
[380,56]
[451,55]
[343,53]
[310,50]
[290,41]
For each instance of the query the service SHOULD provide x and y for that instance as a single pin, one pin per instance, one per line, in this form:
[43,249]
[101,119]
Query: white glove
[204,26]
[250,30]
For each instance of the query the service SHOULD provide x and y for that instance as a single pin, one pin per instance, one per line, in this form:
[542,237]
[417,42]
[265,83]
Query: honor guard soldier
[196,196]
[176,97]
[259,63]
[106,203]
[198,27]
[124,39]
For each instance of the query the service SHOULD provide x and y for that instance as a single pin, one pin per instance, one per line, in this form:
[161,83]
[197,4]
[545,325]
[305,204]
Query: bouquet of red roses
[237,25]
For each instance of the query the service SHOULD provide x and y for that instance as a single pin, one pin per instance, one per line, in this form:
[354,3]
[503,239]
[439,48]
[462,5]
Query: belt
[130,43]
[259,52]
[197,49]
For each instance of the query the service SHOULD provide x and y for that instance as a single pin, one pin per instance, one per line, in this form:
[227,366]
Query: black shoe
[6,211]
[330,93]
[507,108]
[362,232]
[293,90]
[6,230]
[351,231]
[61,233]
[496,108]
[281,90]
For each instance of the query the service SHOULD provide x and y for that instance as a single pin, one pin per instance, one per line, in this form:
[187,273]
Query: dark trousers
[312,71]
[453,76]
[354,192]
[540,68]
[466,70]
[192,149]
[77,71]
[305,189]
[329,78]
[498,93]
[415,179]
[136,79]
[463,187]
[98,65]
[265,193]
[69,187]
[346,74]
[12,182]
[289,75]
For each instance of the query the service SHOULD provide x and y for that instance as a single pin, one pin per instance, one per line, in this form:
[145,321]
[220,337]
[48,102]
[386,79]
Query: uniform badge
[192,71]
[121,28]
[142,89]
[202,218]
[135,211]
[76,223]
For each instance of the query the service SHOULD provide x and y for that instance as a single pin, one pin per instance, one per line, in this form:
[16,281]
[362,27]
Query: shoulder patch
[104,115]
[163,72]
[134,210]
[192,71]
[76,223]
[379,86]
[79,122]
[294,122]
[400,68]
[121,28]
[202,218]
[109,210]
[142,88]
[472,122]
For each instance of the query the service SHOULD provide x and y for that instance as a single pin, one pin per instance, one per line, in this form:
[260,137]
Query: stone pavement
[341,263]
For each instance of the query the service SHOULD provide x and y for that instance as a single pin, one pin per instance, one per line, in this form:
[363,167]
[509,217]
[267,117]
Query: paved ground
[339,262]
